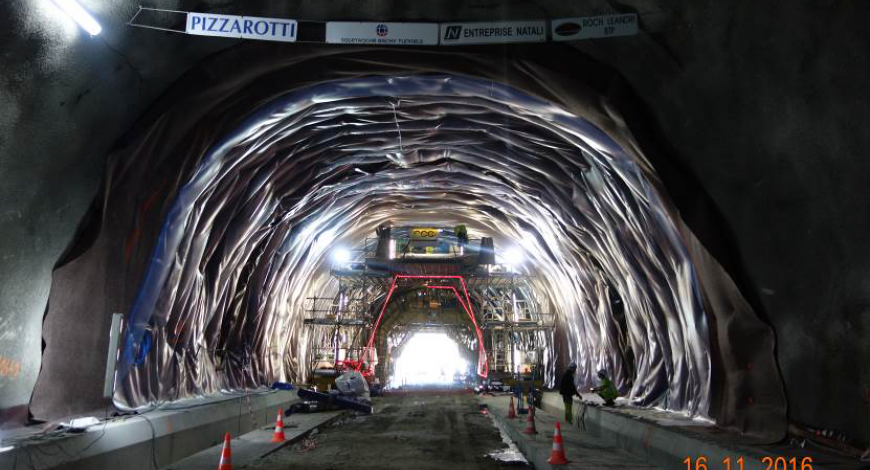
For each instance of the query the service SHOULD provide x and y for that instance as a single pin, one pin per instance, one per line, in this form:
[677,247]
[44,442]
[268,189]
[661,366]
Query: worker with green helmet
[607,390]
[461,235]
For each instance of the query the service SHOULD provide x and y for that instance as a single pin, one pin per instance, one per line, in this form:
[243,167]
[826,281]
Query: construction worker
[607,391]
[461,235]
[568,391]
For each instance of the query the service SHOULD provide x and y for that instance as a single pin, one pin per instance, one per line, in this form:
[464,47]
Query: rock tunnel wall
[214,219]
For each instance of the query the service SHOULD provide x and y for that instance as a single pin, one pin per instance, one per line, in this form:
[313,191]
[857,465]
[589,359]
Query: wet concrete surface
[420,432]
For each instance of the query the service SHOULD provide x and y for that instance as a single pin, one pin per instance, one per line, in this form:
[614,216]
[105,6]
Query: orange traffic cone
[226,455]
[511,413]
[530,427]
[557,456]
[279,428]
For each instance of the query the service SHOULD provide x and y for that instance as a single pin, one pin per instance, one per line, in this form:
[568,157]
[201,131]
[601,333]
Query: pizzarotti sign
[246,27]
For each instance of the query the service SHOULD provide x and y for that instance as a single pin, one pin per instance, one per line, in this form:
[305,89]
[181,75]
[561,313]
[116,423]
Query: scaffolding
[337,325]
[519,330]
[516,329]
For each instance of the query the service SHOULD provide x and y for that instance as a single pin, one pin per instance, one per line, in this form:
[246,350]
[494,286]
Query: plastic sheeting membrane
[262,173]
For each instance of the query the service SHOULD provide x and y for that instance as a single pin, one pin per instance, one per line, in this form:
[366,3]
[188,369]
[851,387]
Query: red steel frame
[482,363]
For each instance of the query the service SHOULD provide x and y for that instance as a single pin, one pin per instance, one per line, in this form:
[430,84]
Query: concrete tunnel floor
[450,431]
[405,432]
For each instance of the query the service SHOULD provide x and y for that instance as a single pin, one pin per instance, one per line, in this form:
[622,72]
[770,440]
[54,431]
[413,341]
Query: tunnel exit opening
[432,282]
[430,358]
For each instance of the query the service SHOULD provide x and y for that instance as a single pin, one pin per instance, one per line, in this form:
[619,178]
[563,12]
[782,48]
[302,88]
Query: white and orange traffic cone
[226,455]
[557,456]
[279,428]
[511,413]
[530,426]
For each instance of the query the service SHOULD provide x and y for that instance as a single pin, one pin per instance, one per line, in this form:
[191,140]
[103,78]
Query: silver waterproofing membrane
[219,216]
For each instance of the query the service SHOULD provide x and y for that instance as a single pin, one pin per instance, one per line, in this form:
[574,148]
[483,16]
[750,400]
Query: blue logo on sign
[382,30]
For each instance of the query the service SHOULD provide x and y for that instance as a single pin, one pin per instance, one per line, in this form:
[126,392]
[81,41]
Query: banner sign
[569,29]
[245,27]
[425,233]
[493,33]
[388,34]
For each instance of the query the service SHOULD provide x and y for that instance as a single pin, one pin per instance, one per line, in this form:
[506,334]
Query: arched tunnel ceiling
[758,117]
[254,177]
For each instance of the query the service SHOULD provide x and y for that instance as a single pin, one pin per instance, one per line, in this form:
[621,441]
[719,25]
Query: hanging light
[79,15]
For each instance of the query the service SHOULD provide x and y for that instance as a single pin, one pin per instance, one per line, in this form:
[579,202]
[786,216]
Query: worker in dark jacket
[568,391]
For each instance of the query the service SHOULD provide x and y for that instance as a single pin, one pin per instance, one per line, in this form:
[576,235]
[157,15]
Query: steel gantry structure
[490,310]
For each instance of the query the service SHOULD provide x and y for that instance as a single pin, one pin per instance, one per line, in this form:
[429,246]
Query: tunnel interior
[680,206]
[221,209]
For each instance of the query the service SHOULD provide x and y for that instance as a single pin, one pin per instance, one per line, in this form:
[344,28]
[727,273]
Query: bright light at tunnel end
[341,255]
[430,359]
[513,256]
[79,15]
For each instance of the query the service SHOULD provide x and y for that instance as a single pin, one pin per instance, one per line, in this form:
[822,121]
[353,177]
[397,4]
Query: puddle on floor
[510,455]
